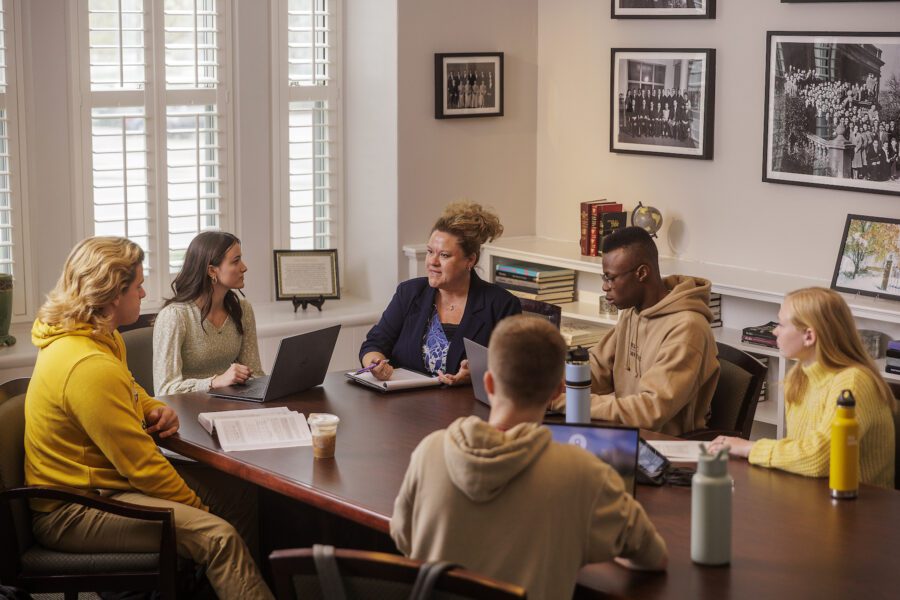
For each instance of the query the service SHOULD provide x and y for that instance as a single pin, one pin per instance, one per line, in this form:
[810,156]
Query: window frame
[155,98]
[282,95]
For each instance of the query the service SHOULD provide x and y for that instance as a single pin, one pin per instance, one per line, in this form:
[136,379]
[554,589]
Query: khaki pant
[202,536]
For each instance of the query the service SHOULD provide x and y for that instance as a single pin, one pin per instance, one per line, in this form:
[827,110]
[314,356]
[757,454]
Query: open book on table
[257,429]
[402,379]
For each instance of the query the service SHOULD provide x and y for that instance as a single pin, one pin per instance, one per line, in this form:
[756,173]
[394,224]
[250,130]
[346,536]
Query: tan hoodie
[515,506]
[658,368]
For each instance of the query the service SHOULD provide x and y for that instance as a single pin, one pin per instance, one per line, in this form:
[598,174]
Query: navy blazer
[399,334]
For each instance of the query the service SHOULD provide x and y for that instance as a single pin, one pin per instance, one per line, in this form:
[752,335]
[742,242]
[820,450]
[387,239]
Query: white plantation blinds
[153,88]
[308,128]
[12,253]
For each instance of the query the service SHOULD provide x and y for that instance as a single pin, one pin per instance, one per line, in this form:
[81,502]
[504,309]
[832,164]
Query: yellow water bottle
[844,474]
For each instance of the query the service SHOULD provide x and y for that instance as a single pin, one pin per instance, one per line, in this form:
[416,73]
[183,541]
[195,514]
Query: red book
[585,214]
[595,234]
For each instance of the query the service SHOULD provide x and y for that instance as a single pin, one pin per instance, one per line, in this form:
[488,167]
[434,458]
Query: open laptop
[616,446]
[301,363]
[477,357]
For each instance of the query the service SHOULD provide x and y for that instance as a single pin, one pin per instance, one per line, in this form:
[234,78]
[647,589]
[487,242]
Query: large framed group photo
[663,9]
[833,110]
[662,101]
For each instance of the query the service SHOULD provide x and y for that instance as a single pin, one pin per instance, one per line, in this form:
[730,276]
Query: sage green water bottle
[711,490]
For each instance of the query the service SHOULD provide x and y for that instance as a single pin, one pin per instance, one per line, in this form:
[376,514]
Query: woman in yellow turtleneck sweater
[816,329]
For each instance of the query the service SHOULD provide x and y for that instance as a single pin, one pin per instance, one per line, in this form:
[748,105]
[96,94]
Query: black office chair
[26,564]
[895,388]
[551,312]
[737,392]
[374,575]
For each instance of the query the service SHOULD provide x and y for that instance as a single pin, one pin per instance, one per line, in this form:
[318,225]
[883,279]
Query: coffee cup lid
[322,419]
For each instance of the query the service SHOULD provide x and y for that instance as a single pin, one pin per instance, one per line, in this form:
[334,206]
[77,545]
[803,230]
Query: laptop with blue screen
[616,446]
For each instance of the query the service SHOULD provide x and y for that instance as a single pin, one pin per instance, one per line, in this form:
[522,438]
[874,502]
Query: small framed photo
[833,110]
[663,9]
[662,102]
[869,260]
[307,274]
[468,84]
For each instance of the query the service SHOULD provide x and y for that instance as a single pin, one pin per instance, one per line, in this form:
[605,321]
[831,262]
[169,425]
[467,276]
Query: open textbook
[402,379]
[257,429]
[678,450]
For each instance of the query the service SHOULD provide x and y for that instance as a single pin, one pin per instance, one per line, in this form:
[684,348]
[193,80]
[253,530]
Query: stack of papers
[580,333]
[257,429]
[678,450]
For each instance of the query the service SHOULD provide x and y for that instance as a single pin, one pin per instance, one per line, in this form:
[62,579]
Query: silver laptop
[301,363]
[477,356]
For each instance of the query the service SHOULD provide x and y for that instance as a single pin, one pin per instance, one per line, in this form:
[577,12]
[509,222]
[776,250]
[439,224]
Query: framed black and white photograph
[826,1]
[307,274]
[468,84]
[662,102]
[867,262]
[833,110]
[663,9]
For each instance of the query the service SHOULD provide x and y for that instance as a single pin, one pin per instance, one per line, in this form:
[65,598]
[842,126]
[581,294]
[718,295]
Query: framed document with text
[306,274]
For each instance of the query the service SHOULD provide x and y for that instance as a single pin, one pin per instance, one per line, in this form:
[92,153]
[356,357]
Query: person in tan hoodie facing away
[658,367]
[501,498]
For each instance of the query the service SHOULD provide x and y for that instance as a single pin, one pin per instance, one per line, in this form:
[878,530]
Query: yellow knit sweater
[807,447]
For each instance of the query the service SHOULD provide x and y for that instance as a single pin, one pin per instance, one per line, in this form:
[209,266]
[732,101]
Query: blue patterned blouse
[435,345]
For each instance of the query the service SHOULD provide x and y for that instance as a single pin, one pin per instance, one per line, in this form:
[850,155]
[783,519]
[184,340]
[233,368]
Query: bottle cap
[578,354]
[845,398]
[713,465]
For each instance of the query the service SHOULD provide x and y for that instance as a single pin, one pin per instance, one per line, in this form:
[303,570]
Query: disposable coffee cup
[323,427]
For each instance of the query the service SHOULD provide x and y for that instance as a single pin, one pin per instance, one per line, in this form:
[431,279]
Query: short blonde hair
[471,224]
[838,345]
[97,271]
[527,356]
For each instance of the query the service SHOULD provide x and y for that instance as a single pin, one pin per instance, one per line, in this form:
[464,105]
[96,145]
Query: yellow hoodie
[84,417]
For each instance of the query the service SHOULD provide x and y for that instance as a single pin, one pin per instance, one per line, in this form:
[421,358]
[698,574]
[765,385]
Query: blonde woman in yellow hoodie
[816,328]
[88,425]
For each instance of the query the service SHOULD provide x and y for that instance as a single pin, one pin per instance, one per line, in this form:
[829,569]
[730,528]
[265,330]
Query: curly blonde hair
[471,224]
[97,271]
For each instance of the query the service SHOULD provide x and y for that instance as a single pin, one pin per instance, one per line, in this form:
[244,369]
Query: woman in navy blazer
[424,325]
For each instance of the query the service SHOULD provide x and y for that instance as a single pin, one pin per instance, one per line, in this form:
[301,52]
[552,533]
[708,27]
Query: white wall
[487,160]
[717,210]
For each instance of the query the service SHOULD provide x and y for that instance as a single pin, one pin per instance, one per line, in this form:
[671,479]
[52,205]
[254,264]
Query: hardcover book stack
[715,305]
[536,282]
[892,362]
[581,333]
[599,218]
[761,335]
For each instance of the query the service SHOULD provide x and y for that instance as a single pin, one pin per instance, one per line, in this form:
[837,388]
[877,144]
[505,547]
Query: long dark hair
[192,282]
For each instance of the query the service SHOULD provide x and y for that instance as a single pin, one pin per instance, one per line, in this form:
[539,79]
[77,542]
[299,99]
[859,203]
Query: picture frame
[663,9]
[662,101]
[868,261]
[828,95]
[830,1]
[468,84]
[307,274]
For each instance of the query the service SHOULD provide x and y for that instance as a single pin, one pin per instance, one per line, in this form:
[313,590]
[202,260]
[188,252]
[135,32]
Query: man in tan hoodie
[658,368]
[501,498]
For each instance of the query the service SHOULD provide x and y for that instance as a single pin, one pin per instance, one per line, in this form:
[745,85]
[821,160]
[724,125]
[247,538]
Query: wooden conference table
[790,540]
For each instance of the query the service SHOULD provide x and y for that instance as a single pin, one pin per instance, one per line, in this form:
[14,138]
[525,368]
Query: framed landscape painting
[468,84]
[661,101]
[833,110]
[869,260]
[663,9]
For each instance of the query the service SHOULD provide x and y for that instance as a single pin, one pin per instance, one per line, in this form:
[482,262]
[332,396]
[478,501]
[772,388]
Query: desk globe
[647,218]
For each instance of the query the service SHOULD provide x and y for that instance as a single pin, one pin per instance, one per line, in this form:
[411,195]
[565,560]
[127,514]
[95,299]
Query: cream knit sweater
[806,449]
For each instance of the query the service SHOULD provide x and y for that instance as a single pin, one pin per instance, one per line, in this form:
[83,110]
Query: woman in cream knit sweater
[816,328]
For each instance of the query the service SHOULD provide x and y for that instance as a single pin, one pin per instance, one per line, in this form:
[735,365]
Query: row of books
[892,360]
[599,218]
[715,306]
[761,335]
[535,282]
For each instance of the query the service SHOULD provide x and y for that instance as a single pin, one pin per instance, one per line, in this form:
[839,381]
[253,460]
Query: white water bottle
[711,491]
[578,386]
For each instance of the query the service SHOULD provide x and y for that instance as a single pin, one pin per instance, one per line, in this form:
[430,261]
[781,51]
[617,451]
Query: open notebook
[402,379]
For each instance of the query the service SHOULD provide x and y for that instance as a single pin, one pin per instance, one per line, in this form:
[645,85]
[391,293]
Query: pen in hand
[372,366]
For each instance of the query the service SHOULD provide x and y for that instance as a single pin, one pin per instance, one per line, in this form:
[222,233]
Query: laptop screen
[616,446]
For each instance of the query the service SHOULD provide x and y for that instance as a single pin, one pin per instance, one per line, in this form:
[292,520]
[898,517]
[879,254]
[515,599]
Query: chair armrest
[708,435]
[116,507]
